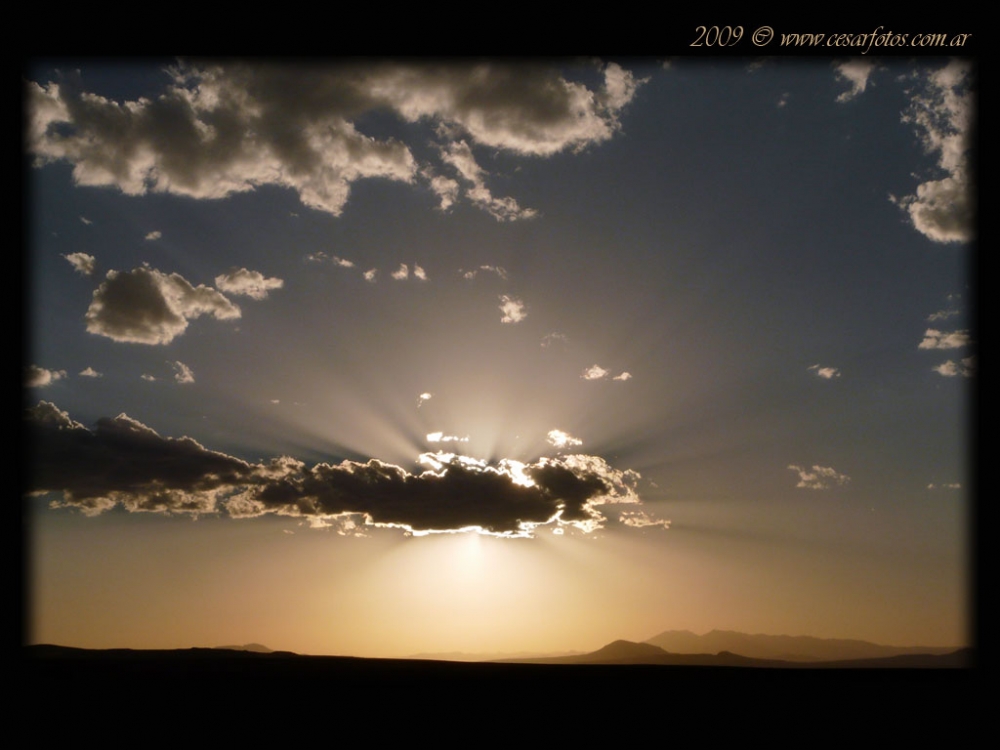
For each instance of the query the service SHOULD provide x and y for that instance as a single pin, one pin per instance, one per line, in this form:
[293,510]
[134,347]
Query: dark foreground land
[76,692]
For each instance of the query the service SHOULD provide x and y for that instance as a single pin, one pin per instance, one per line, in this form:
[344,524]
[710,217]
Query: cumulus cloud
[154,235]
[514,310]
[225,128]
[90,372]
[966,368]
[124,462]
[401,273]
[934,339]
[827,373]
[249,283]
[818,477]
[855,72]
[623,376]
[419,273]
[39,377]
[594,372]
[941,113]
[182,373]
[146,306]
[369,275]
[82,262]
[560,439]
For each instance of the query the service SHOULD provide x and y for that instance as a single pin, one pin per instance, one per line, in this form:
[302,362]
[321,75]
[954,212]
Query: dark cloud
[146,306]
[225,128]
[122,461]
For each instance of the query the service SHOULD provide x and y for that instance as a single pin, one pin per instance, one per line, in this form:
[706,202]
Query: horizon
[373,359]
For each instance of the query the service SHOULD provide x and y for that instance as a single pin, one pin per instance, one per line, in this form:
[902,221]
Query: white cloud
[641,519]
[440,437]
[39,377]
[370,275]
[459,155]
[941,315]
[82,262]
[561,439]
[342,262]
[90,372]
[502,273]
[85,220]
[855,72]
[275,401]
[551,339]
[594,372]
[182,373]
[827,373]
[948,486]
[950,369]
[934,339]
[220,129]
[419,273]
[401,273]
[424,397]
[249,283]
[942,209]
[154,235]
[513,310]
[819,477]
[146,306]
[148,377]
[623,376]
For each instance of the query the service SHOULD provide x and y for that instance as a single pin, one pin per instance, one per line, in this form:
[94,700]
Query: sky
[381,358]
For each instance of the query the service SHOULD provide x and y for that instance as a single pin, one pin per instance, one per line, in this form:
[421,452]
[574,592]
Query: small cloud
[249,283]
[39,377]
[440,437]
[949,486]
[275,401]
[561,439]
[950,369]
[370,275]
[941,315]
[419,273]
[82,262]
[182,373]
[856,73]
[90,372]
[594,372]
[513,309]
[154,235]
[424,397]
[934,339]
[317,257]
[827,373]
[641,519]
[783,100]
[819,477]
[553,339]
[148,377]
[623,376]
[85,220]
[342,262]
[401,273]
[502,273]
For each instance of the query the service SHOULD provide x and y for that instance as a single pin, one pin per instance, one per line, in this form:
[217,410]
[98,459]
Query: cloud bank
[124,462]
[226,128]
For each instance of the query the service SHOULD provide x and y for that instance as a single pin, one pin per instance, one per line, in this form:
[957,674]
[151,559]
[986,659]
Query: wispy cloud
[948,486]
[818,477]
[249,283]
[827,373]
[855,72]
[555,339]
[487,268]
[560,439]
[514,310]
[82,262]
[85,220]
[419,273]
[370,275]
[934,339]
[39,377]
[941,315]
[440,437]
[459,155]
[146,306]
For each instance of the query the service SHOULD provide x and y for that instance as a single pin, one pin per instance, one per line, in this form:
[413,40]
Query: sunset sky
[378,358]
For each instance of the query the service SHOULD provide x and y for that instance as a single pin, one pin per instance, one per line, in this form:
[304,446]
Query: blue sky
[707,322]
